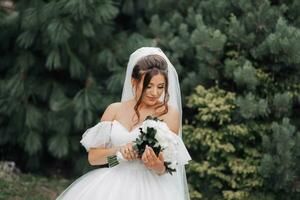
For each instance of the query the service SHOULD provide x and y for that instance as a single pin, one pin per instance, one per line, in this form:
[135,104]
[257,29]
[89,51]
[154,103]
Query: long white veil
[174,100]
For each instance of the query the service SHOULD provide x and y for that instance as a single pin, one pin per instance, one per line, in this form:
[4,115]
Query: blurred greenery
[32,187]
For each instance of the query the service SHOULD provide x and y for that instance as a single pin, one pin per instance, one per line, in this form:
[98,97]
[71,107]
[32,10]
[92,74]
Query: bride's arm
[172,119]
[98,156]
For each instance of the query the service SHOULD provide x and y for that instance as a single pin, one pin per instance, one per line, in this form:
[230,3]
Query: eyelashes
[162,87]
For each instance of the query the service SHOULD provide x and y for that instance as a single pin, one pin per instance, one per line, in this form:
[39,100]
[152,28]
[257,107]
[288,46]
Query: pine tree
[279,165]
[51,73]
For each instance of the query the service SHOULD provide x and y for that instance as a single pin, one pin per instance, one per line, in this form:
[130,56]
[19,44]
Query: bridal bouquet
[155,134]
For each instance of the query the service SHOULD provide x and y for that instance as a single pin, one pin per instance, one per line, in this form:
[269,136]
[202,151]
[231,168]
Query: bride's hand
[128,152]
[152,161]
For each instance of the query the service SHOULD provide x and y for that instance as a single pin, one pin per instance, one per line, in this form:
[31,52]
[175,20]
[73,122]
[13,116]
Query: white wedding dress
[130,180]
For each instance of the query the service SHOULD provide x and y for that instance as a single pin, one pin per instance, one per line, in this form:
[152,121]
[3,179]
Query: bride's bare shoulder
[111,111]
[172,119]
[115,109]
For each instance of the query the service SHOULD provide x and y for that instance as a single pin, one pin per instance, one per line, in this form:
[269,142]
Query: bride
[151,88]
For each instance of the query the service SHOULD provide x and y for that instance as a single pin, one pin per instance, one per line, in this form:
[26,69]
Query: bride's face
[153,91]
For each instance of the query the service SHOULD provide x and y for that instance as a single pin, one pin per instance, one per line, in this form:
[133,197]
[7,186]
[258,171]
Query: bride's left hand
[152,161]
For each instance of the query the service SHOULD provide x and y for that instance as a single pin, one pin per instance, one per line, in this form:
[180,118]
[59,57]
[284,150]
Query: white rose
[163,126]
[159,135]
[161,138]
[149,123]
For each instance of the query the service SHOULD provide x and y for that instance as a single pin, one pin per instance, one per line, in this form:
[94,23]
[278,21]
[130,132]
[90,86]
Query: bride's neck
[146,107]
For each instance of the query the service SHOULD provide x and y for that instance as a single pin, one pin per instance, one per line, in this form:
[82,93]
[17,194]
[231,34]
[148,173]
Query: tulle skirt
[127,181]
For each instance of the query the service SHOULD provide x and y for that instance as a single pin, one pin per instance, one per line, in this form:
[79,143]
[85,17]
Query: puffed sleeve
[97,136]
[183,156]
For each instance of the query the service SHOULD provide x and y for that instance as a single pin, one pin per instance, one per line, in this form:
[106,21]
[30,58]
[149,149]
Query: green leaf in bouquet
[144,138]
[156,150]
[139,142]
[168,169]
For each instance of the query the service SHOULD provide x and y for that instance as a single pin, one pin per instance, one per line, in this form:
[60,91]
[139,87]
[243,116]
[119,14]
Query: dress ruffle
[97,136]
[183,156]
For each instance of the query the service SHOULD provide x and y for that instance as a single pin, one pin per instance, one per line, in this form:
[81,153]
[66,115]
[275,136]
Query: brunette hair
[150,66]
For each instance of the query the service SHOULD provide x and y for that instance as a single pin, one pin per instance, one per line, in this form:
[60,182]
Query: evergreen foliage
[50,86]
[226,157]
[280,163]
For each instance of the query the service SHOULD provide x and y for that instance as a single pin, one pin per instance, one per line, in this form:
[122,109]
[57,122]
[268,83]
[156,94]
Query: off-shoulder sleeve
[183,156]
[97,136]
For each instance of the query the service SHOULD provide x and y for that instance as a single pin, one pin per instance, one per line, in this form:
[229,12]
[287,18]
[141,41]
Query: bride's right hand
[128,152]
